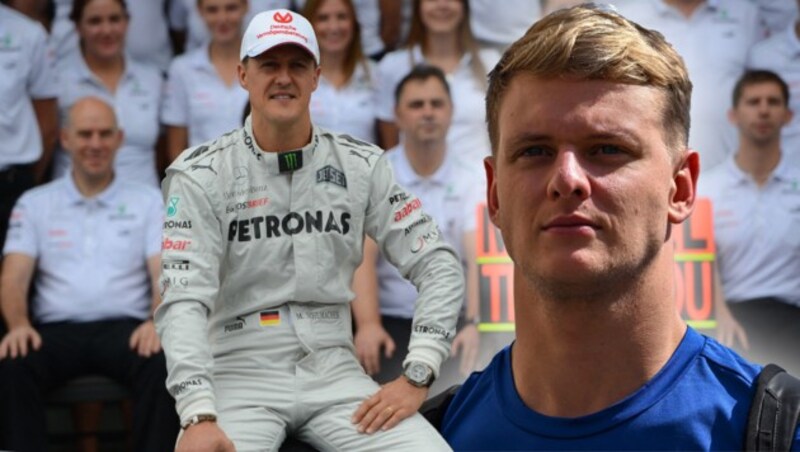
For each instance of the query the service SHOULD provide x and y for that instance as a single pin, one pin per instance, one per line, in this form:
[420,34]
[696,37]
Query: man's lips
[569,222]
[282,96]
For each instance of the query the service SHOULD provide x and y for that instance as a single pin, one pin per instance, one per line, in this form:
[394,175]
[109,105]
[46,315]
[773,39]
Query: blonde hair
[587,42]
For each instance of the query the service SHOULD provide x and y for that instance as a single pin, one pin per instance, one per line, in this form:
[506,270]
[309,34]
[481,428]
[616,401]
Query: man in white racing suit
[264,228]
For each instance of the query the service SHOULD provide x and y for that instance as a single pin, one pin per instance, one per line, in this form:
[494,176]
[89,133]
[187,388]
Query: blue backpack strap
[775,411]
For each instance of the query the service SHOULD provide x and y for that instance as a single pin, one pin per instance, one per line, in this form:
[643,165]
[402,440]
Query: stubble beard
[611,284]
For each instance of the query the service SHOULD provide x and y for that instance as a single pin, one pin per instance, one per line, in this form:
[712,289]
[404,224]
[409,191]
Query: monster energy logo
[290,161]
[172,208]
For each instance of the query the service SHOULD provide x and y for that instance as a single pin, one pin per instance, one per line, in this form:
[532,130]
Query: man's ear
[788,117]
[732,117]
[317,74]
[64,138]
[492,200]
[684,188]
[240,71]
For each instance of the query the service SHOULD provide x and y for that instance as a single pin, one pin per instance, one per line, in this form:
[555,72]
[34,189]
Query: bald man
[89,243]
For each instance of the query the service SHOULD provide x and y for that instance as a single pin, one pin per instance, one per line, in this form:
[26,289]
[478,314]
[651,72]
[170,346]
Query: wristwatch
[198,418]
[419,374]
[475,320]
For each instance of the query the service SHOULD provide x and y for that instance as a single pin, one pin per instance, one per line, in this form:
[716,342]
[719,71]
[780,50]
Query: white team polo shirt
[369,19]
[450,196]
[714,43]
[468,137]
[781,54]
[91,252]
[63,36]
[26,72]
[349,110]
[136,102]
[502,25]
[757,231]
[197,98]
[777,14]
[184,16]
[147,39]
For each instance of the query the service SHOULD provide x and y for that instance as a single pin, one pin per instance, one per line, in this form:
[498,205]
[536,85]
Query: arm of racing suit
[410,240]
[191,256]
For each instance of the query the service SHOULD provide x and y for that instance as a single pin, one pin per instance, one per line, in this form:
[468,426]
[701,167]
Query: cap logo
[282,18]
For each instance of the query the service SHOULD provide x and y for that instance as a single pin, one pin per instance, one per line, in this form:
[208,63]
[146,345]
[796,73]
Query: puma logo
[197,166]
[365,157]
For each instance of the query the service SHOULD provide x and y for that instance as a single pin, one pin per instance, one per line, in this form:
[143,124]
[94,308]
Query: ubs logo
[282,18]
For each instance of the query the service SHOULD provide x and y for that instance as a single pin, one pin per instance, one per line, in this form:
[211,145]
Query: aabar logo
[282,18]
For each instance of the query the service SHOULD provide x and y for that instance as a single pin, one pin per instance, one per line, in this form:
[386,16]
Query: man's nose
[569,177]
[283,75]
[95,140]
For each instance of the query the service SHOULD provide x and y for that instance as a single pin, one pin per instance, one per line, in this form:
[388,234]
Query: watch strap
[198,418]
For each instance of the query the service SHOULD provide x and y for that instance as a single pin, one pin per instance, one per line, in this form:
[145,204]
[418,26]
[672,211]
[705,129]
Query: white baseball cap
[278,27]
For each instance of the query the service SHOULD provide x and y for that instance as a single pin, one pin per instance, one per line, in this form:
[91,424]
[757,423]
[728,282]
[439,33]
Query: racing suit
[258,256]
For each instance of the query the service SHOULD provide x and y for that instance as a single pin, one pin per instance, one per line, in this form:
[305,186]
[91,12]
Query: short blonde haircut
[587,42]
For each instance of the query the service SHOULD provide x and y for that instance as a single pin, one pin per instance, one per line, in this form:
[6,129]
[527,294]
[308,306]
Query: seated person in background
[589,176]
[203,98]
[449,191]
[103,68]
[756,201]
[441,36]
[89,242]
[343,101]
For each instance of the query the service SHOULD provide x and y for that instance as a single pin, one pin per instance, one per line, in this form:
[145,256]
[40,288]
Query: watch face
[418,373]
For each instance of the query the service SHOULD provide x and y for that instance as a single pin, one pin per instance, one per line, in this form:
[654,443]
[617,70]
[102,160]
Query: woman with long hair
[101,68]
[440,36]
[203,96]
[343,101]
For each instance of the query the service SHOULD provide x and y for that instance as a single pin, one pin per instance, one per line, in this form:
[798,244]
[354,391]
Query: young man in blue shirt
[590,174]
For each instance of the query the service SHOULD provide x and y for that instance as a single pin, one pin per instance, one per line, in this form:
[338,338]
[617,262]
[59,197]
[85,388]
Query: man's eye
[607,149]
[534,151]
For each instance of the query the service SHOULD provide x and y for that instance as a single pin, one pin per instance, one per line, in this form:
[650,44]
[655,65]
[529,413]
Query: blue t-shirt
[699,401]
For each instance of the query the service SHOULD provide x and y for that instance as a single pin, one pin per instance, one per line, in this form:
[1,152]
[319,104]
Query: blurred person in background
[450,191]
[203,98]
[497,25]
[713,38]
[440,35]
[780,53]
[776,15]
[148,28]
[89,246]
[343,101]
[42,11]
[29,113]
[383,23]
[756,201]
[102,68]
[190,29]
